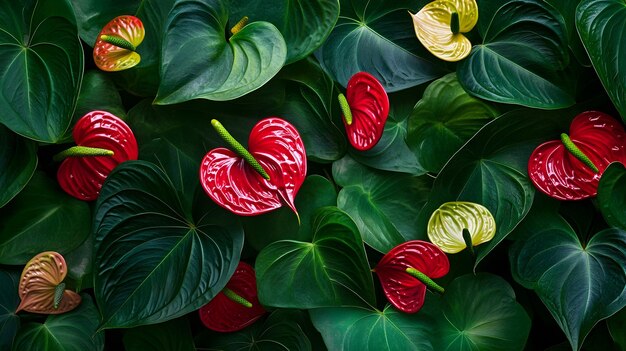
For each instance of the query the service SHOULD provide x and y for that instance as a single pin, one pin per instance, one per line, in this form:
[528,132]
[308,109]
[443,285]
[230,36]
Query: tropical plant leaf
[491,170]
[331,270]
[443,120]
[224,69]
[9,300]
[74,330]
[18,160]
[304,24]
[580,283]
[41,218]
[377,37]
[146,239]
[41,67]
[524,46]
[611,195]
[617,325]
[174,335]
[383,205]
[601,24]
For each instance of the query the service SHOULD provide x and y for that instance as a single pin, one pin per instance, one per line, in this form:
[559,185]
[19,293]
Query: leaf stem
[239,149]
[233,296]
[82,151]
[425,279]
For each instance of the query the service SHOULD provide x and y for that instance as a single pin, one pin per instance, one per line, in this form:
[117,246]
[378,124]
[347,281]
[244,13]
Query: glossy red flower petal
[236,186]
[404,291]
[109,57]
[82,177]
[369,105]
[559,174]
[224,315]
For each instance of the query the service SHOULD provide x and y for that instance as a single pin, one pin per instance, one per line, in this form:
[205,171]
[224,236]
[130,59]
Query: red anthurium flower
[258,181]
[115,46]
[104,141]
[41,286]
[365,110]
[570,168]
[405,272]
[235,307]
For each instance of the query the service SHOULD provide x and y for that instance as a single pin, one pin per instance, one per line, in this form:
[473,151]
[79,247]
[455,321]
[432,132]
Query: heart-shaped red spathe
[369,105]
[38,282]
[82,177]
[559,174]
[236,186]
[404,291]
[225,315]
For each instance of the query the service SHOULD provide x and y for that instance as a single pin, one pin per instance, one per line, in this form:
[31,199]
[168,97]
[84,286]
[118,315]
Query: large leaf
[281,331]
[41,67]
[198,61]
[612,195]
[617,325]
[355,328]
[491,170]
[601,24]
[18,160]
[92,15]
[580,283]
[9,300]
[480,313]
[331,270]
[154,260]
[383,205]
[71,331]
[304,24]
[41,218]
[524,46]
[174,335]
[443,120]
[377,36]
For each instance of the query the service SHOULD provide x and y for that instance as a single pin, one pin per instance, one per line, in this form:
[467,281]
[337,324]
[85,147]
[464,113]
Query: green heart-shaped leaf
[491,170]
[223,69]
[480,313]
[41,67]
[524,46]
[42,218]
[304,24]
[145,239]
[384,205]
[282,330]
[580,283]
[443,120]
[9,300]
[377,37]
[171,335]
[18,160]
[74,330]
[332,270]
[363,329]
[601,25]
[612,195]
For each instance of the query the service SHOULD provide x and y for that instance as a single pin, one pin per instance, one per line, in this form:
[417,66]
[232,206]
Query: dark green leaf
[602,25]
[384,205]
[199,62]
[98,92]
[74,330]
[154,260]
[80,264]
[42,218]
[377,36]
[612,195]
[580,283]
[332,270]
[568,11]
[443,120]
[174,335]
[363,329]
[617,326]
[480,313]
[9,300]
[304,24]
[41,67]
[18,160]
[281,331]
[491,169]
[524,46]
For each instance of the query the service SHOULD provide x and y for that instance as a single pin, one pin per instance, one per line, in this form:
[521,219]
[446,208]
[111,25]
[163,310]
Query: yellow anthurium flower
[439,26]
[450,220]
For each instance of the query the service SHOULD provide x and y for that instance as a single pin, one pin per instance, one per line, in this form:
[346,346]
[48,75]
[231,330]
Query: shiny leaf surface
[18,160]
[612,195]
[9,300]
